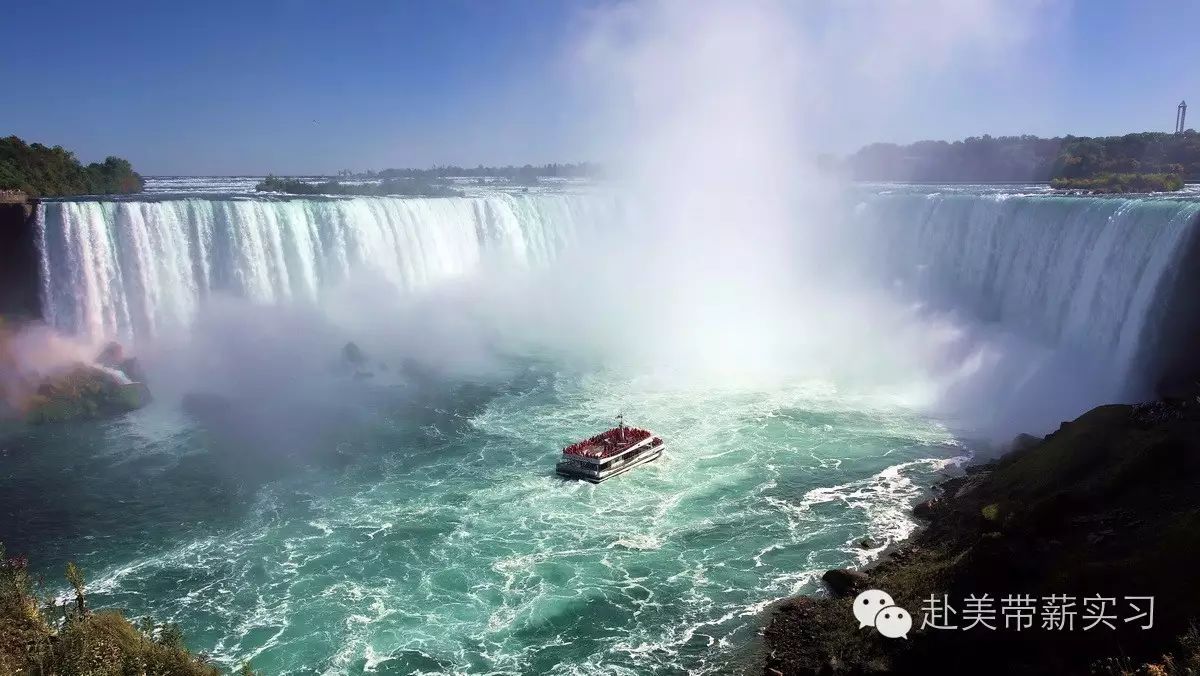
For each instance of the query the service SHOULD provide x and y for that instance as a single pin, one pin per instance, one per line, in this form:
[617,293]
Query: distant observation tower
[1181,117]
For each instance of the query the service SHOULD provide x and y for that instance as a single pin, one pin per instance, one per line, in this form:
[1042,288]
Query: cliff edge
[19,274]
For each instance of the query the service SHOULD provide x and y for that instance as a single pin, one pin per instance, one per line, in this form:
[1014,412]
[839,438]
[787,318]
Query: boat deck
[608,454]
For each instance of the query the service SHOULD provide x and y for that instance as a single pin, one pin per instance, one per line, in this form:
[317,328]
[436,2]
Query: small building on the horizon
[1181,117]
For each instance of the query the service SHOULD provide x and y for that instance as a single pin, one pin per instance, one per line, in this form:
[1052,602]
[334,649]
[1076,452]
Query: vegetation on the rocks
[85,392]
[407,187]
[42,171]
[1030,158]
[1106,506]
[41,637]
[64,388]
[1121,183]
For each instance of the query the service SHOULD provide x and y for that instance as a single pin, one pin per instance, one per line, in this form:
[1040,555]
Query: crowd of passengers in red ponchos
[609,443]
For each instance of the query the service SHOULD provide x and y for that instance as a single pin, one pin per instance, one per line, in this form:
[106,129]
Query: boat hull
[570,470]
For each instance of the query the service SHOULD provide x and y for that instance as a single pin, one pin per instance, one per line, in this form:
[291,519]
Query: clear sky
[306,86]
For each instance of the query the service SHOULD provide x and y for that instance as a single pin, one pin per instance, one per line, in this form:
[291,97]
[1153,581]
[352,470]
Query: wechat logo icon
[875,608]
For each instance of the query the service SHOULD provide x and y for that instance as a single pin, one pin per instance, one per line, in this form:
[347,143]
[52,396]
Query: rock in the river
[353,355]
[134,395]
[85,392]
[113,356]
[132,369]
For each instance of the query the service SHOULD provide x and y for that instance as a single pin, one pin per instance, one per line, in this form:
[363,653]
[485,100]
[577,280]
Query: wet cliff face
[19,284]
[1175,366]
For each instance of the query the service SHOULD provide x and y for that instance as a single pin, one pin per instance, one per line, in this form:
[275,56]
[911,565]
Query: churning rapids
[412,522]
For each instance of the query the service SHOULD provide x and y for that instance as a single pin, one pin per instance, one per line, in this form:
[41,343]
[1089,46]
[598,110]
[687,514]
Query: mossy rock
[132,396]
[991,512]
[85,393]
[47,410]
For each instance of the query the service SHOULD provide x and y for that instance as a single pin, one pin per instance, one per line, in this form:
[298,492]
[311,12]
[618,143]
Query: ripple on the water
[473,557]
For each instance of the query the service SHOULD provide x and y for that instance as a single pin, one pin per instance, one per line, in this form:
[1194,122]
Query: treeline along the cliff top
[1030,158]
[42,171]
[407,187]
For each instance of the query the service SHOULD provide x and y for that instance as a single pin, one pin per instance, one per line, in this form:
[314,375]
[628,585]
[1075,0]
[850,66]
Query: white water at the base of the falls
[429,533]
[130,269]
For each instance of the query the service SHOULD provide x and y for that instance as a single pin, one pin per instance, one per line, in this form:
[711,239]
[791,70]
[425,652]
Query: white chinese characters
[1024,612]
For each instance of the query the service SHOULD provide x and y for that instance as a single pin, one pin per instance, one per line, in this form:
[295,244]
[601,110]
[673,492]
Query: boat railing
[617,457]
[609,442]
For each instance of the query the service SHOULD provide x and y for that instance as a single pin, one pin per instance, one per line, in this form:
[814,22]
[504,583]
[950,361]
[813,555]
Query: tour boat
[609,453]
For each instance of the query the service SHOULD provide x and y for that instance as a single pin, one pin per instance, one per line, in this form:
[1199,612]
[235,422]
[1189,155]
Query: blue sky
[304,86]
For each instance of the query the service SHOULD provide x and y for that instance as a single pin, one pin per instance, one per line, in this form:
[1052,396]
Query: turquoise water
[423,530]
[412,522]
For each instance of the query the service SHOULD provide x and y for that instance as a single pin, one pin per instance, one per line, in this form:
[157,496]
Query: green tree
[1029,158]
[75,578]
[43,171]
[87,642]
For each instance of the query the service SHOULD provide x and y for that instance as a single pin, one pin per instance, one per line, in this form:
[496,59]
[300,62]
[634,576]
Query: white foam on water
[471,553]
[492,566]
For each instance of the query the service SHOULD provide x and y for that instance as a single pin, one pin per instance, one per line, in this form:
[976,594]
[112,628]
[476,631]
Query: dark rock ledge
[1108,505]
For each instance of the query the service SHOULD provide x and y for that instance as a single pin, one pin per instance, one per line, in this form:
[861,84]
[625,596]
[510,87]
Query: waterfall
[129,269]
[1094,276]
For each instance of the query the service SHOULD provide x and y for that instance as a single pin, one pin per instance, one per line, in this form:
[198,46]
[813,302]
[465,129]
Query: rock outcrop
[43,380]
[1108,506]
[353,356]
[19,274]
[85,392]
[356,362]
[844,582]
[113,356]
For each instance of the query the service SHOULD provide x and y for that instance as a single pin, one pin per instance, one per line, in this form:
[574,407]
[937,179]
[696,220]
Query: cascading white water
[128,269]
[441,496]
[1083,274]
[1075,274]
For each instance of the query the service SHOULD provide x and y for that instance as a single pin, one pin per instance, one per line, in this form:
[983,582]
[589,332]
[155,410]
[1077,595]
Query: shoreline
[1102,506]
[756,655]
